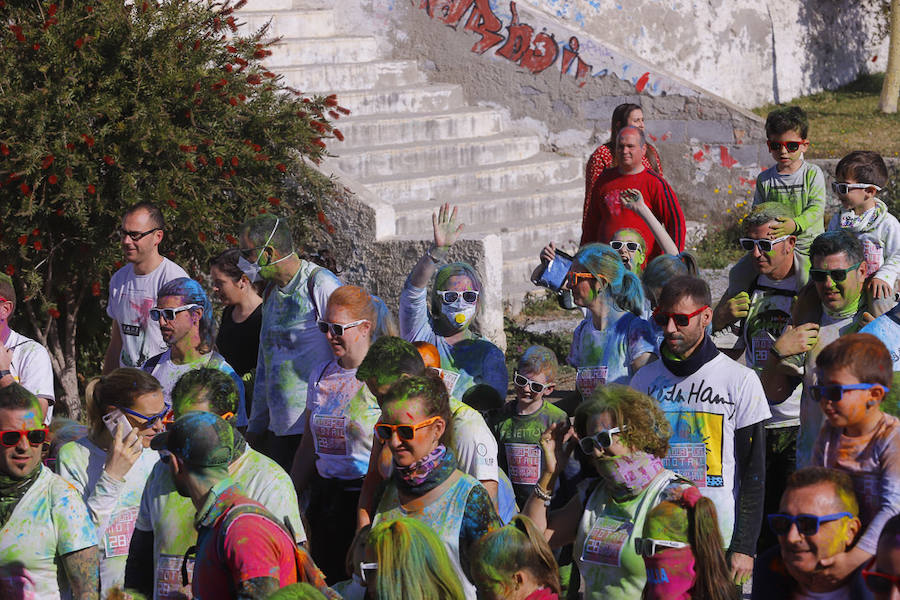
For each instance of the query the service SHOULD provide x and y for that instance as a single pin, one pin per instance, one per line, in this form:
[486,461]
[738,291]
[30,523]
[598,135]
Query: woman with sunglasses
[624,434]
[682,550]
[426,484]
[340,413]
[110,466]
[454,305]
[613,341]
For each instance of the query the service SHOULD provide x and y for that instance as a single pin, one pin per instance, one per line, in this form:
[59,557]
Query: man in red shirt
[242,551]
[607,214]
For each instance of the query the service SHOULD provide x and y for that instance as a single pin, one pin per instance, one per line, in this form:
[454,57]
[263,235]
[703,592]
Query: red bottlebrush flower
[241,61]
[4,149]
[257,147]
[262,211]
[330,229]
[262,53]
[89,9]
[25,189]
[228,67]
[79,42]
[231,49]
[232,172]
[337,133]
[331,100]
[321,217]
[48,160]
[59,212]
[334,115]
[197,86]
[196,45]
[219,84]
[171,203]
[248,142]
[91,189]
[231,24]
[234,161]
[187,114]
[318,142]
[254,79]
[51,10]
[226,175]
[242,97]
[109,160]
[70,146]
[53,313]
[201,236]
[231,239]
[35,232]
[274,201]
[186,148]
[202,160]
[95,288]
[198,101]
[261,157]
[144,7]
[38,246]
[208,142]
[319,126]
[118,264]
[10,270]
[36,47]
[88,140]
[269,74]
[18,31]
[52,179]
[233,101]
[341,109]
[281,167]
[219,161]
[68,171]
[190,166]
[49,22]
[23,239]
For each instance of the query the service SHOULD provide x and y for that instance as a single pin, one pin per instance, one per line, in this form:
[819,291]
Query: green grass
[848,119]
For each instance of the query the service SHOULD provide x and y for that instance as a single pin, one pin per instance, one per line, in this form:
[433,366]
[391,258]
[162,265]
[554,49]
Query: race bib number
[449,378]
[524,462]
[761,344]
[605,542]
[588,378]
[118,534]
[131,329]
[168,578]
[874,256]
[330,434]
[688,460]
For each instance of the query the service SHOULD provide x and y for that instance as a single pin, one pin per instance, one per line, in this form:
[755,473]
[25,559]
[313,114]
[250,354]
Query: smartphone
[554,274]
[114,419]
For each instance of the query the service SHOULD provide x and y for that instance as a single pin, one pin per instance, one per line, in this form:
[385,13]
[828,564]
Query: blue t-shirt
[887,329]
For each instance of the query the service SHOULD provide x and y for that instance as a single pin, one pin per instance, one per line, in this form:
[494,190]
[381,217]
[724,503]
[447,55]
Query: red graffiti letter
[449,11]
[519,38]
[542,54]
[485,23]
[569,56]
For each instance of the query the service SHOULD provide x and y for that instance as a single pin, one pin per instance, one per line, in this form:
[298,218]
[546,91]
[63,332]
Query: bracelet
[776,353]
[541,493]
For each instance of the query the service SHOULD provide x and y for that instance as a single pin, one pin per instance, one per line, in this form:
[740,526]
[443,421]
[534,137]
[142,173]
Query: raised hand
[446,230]
[124,452]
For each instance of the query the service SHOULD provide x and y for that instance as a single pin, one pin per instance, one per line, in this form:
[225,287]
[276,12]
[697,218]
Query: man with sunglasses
[23,360]
[44,522]
[717,410]
[290,342]
[132,290]
[817,519]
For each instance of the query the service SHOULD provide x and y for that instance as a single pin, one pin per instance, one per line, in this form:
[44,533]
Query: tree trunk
[890,89]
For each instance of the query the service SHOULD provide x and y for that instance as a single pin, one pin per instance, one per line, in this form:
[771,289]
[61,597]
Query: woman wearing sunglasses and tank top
[426,485]
[340,413]
[624,435]
[110,465]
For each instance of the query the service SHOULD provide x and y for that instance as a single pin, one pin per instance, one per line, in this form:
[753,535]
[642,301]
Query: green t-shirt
[519,438]
[804,192]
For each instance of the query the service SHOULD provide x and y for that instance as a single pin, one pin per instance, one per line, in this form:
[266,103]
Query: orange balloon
[429,353]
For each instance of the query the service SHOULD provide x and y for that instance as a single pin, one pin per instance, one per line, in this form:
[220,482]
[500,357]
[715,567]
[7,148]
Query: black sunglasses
[819,275]
[136,235]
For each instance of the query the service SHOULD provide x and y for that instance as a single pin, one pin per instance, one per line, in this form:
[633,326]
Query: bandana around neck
[859,223]
[426,473]
[627,476]
[11,491]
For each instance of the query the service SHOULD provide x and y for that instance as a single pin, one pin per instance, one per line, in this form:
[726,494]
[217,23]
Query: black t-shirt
[239,342]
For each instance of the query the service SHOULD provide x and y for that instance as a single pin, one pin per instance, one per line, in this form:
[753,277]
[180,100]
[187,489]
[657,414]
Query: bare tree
[890,89]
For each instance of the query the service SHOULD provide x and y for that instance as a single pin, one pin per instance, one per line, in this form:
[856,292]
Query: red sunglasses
[879,583]
[791,146]
[681,319]
[35,437]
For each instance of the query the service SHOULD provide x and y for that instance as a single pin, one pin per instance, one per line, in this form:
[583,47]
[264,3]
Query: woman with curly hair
[624,434]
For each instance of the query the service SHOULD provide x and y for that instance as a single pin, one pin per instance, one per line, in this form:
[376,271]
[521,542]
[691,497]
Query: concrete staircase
[415,144]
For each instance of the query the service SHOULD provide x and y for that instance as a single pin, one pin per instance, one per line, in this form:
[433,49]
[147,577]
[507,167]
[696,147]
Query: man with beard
[717,410]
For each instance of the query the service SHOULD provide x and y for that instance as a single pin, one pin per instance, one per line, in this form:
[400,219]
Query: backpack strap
[311,288]
[151,363]
[240,510]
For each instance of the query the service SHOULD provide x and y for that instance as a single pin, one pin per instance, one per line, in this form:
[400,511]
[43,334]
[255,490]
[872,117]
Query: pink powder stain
[642,82]
[666,135]
[652,137]
[698,156]
[727,160]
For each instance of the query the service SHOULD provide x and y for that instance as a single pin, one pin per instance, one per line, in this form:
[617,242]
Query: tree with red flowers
[105,103]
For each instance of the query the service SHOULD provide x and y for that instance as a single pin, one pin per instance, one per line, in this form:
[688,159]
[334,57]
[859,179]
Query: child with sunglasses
[855,372]
[792,180]
[860,176]
[519,424]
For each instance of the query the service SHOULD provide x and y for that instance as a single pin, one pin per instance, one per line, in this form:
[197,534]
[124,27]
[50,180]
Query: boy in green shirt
[519,424]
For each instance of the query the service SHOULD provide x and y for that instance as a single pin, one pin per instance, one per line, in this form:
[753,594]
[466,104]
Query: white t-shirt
[113,503]
[705,409]
[170,516]
[475,444]
[49,521]
[168,373]
[31,368]
[130,299]
[342,415]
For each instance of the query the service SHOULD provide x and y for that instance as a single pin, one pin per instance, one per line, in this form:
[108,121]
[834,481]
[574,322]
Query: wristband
[776,353]
[4,373]
[541,493]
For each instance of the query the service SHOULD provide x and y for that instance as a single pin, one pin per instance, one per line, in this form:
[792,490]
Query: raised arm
[634,200]
[446,232]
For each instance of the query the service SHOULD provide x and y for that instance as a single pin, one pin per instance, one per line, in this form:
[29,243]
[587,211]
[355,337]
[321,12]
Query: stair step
[411,99]
[339,77]
[540,170]
[516,207]
[377,130]
[311,50]
[421,157]
[290,23]
[526,238]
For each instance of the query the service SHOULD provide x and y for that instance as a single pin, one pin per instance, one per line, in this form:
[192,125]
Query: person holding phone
[110,465]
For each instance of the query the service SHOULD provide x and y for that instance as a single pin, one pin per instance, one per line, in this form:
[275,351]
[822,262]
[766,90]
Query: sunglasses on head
[630,246]
[764,245]
[385,431]
[35,437]
[879,583]
[451,296]
[791,146]
[681,320]
[522,382]
[819,275]
[149,420]
[600,440]
[834,392]
[337,330]
[169,313]
[842,188]
[806,524]
[136,235]
[649,546]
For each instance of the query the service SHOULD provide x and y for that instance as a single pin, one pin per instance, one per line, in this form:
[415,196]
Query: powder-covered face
[839,296]
[606,421]
[410,411]
[524,393]
[586,290]
[667,521]
[636,118]
[20,460]
[783,158]
[182,325]
[353,341]
[149,405]
[778,258]
[852,408]
[802,553]
[633,259]
[458,315]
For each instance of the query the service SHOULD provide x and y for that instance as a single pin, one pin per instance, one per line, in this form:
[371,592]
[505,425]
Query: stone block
[674,131]
[711,132]
[602,108]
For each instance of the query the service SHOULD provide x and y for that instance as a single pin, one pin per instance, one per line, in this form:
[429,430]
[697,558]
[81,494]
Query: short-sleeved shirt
[130,299]
[168,373]
[475,445]
[113,503]
[705,409]
[238,343]
[887,329]
[519,438]
[342,416]
[170,516]
[50,520]
[605,356]
[31,367]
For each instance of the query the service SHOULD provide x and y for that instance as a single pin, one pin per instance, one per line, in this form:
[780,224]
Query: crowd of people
[316,443]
